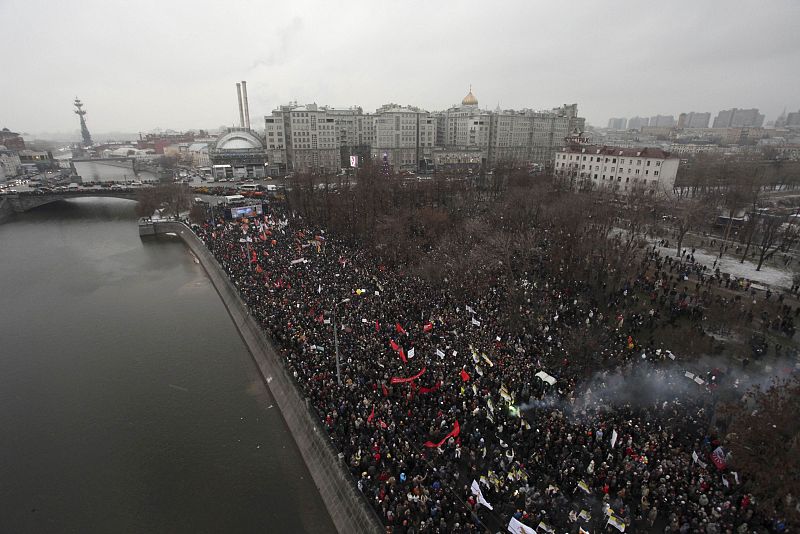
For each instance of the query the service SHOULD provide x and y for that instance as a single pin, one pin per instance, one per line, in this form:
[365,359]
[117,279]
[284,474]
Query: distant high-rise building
[737,118]
[792,120]
[617,123]
[662,121]
[694,120]
[637,123]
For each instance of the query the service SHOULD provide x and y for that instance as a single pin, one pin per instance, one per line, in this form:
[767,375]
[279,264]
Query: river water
[128,402]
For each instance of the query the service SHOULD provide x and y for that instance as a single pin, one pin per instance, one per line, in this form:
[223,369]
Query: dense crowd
[437,393]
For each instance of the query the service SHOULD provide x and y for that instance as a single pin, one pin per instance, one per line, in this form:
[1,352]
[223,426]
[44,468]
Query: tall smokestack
[246,109]
[241,110]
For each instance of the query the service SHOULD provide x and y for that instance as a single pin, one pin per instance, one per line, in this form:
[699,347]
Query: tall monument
[79,111]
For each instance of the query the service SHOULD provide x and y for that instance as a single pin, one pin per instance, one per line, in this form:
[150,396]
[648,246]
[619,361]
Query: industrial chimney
[246,109]
[241,110]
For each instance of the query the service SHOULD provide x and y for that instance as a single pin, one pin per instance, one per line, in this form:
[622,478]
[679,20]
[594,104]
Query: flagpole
[336,341]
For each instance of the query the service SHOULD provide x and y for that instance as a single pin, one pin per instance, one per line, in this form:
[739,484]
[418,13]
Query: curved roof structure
[239,140]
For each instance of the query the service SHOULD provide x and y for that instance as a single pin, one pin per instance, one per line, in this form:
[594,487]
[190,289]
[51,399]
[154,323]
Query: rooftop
[645,152]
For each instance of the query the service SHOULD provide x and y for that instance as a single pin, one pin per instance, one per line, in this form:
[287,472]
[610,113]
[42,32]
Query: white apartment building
[618,170]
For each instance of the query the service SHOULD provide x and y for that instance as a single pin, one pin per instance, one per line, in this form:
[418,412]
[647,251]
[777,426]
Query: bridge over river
[22,202]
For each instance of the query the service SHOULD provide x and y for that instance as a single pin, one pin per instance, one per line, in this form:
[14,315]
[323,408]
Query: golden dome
[470,99]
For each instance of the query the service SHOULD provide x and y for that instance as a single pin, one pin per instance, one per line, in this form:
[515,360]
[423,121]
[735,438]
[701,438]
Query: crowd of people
[449,421]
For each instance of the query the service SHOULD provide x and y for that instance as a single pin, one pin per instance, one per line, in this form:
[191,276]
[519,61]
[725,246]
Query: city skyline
[176,70]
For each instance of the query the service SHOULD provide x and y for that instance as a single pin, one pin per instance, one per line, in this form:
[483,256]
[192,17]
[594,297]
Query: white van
[73,187]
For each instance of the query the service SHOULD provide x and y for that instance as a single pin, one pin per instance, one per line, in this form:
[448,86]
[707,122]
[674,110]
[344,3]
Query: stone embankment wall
[346,505]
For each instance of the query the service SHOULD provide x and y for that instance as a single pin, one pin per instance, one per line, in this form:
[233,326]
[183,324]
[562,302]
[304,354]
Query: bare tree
[774,233]
[764,439]
[688,216]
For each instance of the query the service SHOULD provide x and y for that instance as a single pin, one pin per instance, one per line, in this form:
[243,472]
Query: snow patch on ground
[770,276]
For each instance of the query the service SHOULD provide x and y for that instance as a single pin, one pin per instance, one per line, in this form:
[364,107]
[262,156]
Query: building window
[658,164]
[637,171]
[648,163]
[614,161]
[655,173]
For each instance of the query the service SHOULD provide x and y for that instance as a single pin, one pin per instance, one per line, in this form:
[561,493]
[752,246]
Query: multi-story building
[315,138]
[506,136]
[651,171]
[318,138]
[662,121]
[694,120]
[550,130]
[636,123]
[737,118]
[793,120]
[406,135]
[617,123]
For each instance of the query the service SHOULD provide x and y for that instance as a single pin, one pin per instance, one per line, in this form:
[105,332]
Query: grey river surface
[128,402]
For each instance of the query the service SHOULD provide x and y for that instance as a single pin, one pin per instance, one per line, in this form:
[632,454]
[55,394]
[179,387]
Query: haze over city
[172,65]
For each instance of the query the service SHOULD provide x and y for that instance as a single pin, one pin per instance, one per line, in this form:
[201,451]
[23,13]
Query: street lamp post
[336,341]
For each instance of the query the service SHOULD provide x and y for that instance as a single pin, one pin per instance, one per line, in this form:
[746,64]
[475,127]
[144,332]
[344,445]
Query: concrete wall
[347,506]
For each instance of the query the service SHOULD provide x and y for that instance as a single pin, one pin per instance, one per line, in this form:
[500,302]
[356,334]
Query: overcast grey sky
[174,64]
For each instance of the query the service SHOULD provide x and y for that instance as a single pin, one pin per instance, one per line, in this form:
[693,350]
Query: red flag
[399,328]
[253,257]
[259,269]
[395,346]
[452,434]
[262,237]
[377,326]
[403,355]
[372,415]
[428,327]
[382,424]
[400,380]
[430,389]
[385,390]
[464,375]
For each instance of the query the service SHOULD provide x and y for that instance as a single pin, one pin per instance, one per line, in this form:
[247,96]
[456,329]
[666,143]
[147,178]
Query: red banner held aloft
[464,375]
[372,415]
[377,326]
[430,389]
[385,390]
[428,327]
[399,328]
[453,434]
[395,346]
[400,380]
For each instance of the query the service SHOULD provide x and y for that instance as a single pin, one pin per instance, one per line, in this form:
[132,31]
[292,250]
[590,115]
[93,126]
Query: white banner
[515,527]
[476,490]
[354,161]
[613,438]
